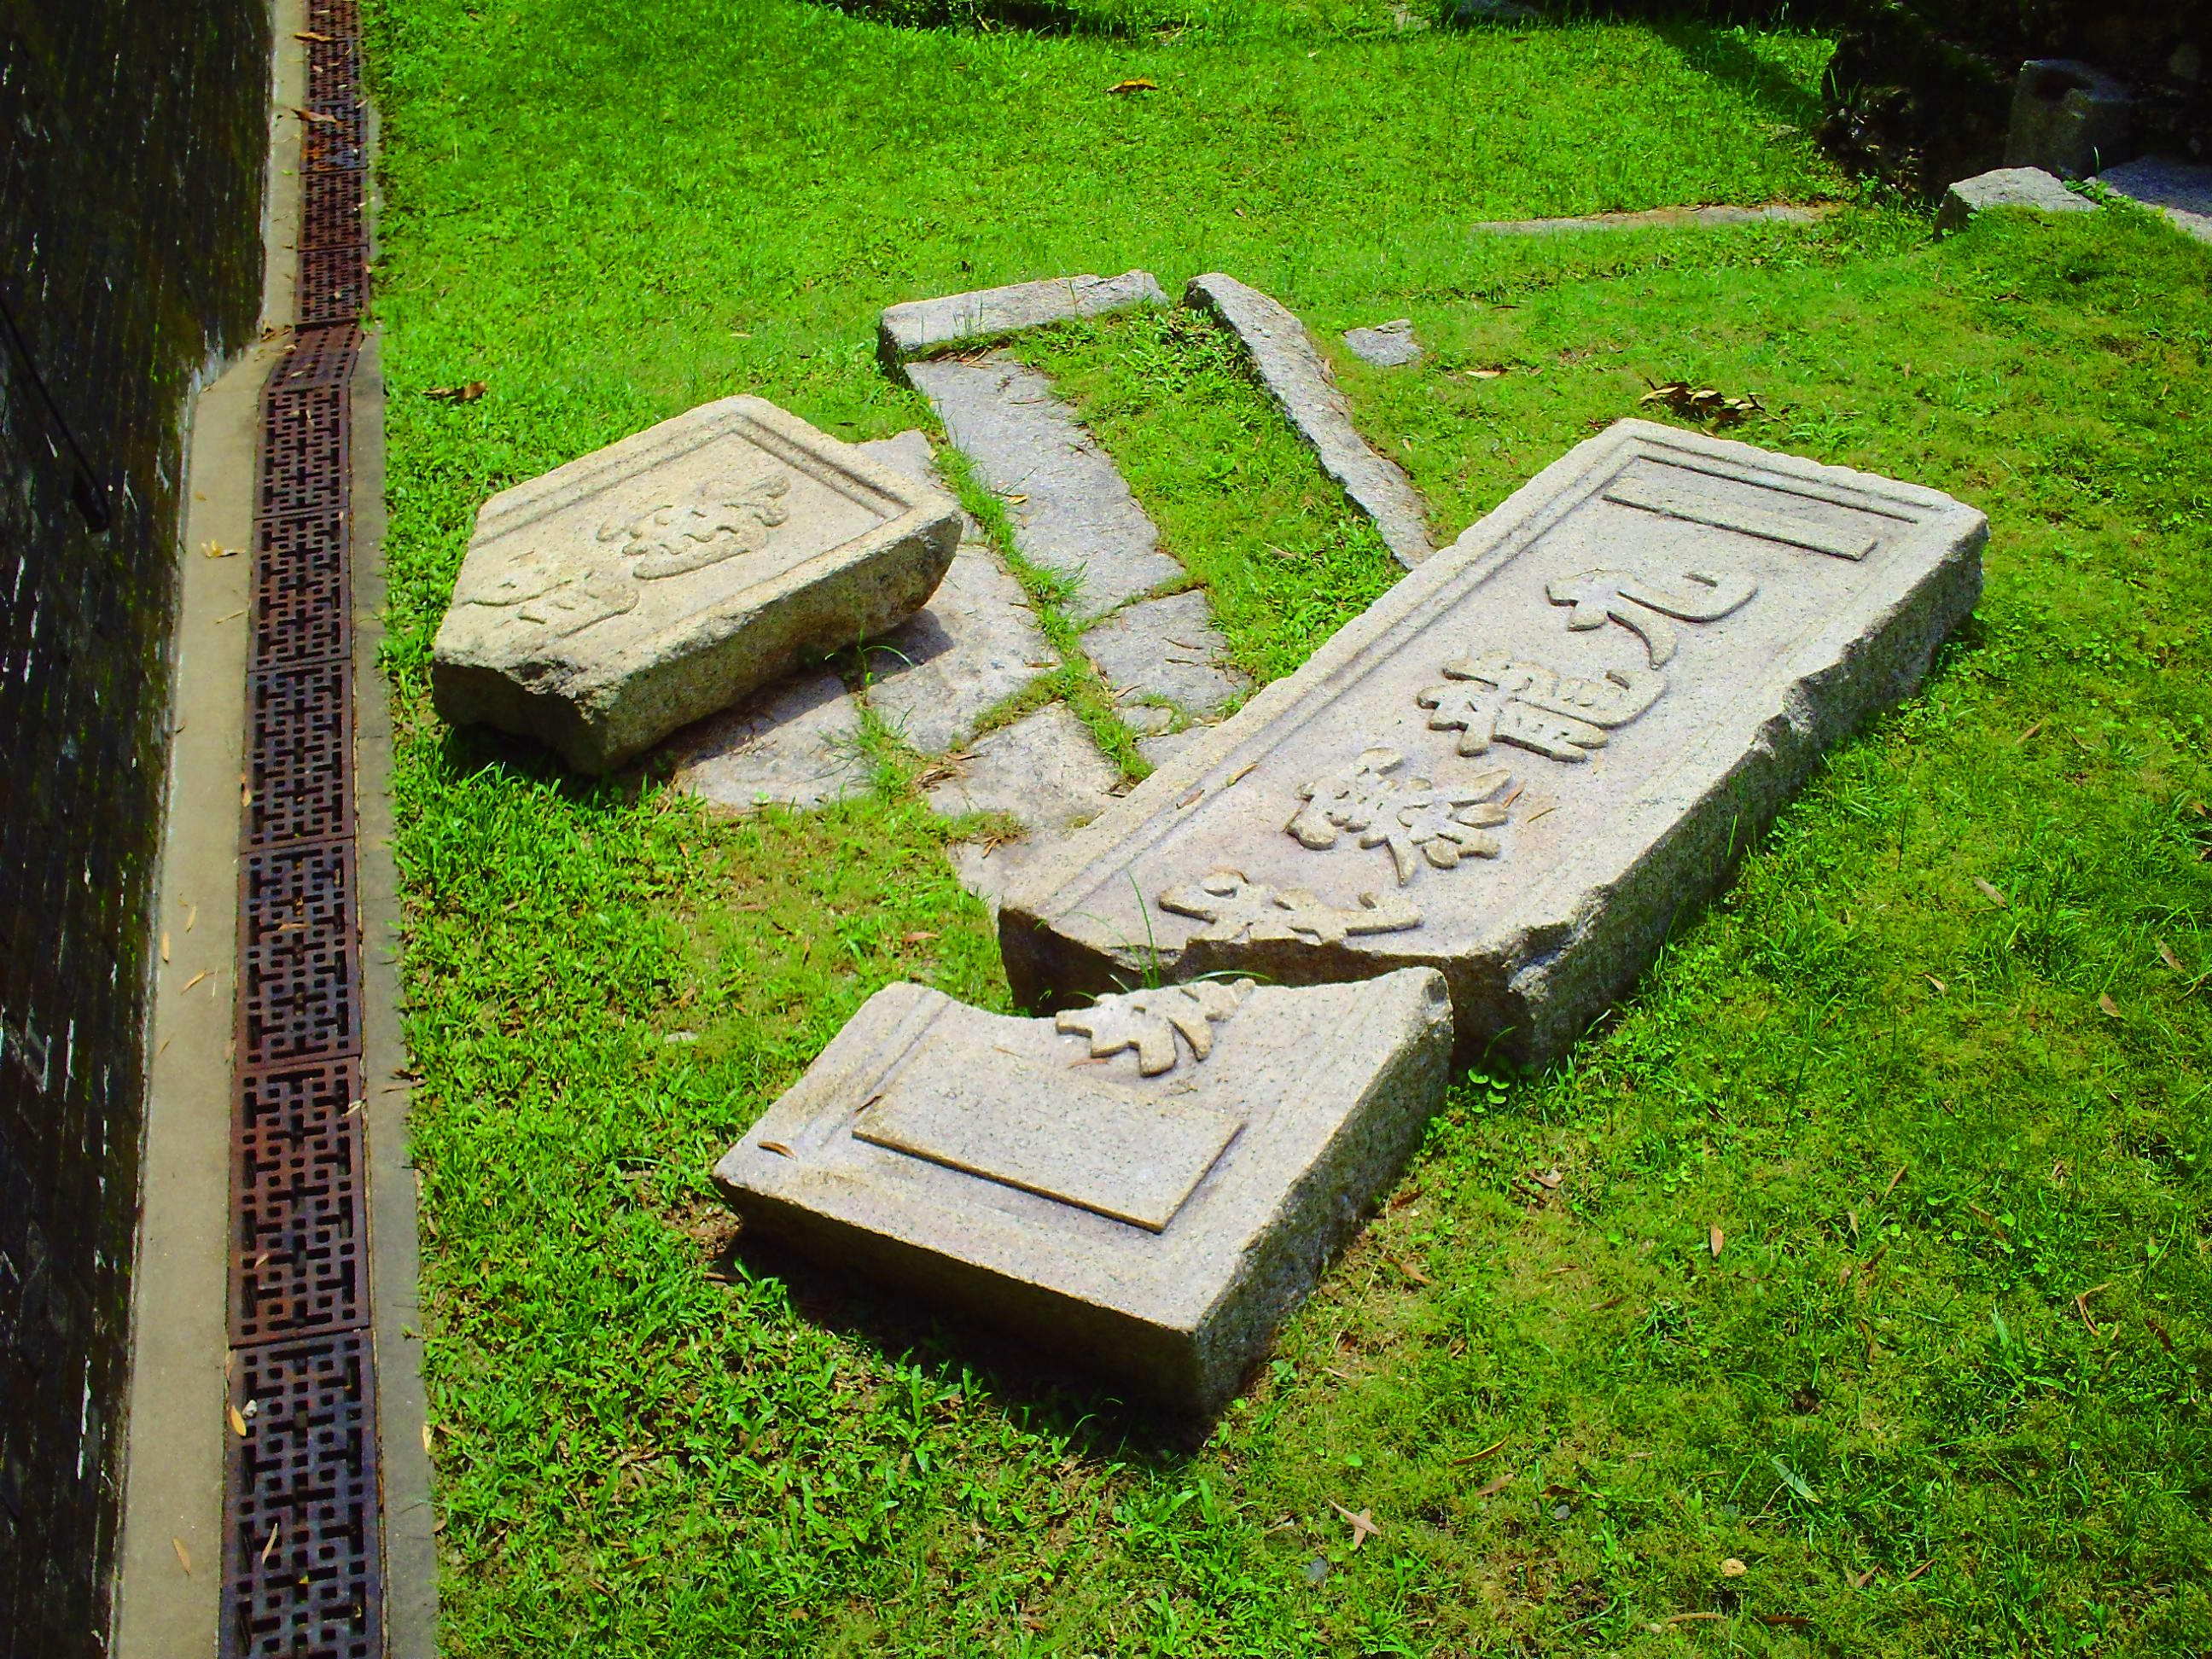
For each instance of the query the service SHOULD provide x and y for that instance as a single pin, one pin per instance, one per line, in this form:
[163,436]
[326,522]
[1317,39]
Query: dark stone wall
[133,135]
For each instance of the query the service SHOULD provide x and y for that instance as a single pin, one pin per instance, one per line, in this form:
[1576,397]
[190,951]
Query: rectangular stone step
[1534,756]
[1145,1188]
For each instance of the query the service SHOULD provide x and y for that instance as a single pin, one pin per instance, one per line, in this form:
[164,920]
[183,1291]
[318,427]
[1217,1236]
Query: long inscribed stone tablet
[659,580]
[1146,1186]
[1533,754]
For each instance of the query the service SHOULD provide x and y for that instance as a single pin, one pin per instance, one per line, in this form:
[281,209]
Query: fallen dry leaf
[217,551]
[778,1148]
[919,936]
[274,1527]
[1142,85]
[1733,1568]
[1363,1524]
[1549,1180]
[2166,955]
[165,944]
[237,1423]
[2026,735]
[1702,403]
[2081,1306]
[1717,1239]
[1990,892]
[1861,1580]
[2105,1001]
[1942,989]
[1476,1457]
[456,394]
[1411,1271]
[1491,1488]
[184,1559]
[1894,1180]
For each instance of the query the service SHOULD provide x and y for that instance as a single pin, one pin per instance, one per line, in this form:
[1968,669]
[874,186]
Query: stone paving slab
[920,326]
[1046,772]
[1534,755]
[1166,648]
[1385,345]
[1145,1187]
[973,645]
[796,743]
[1299,379]
[2182,191]
[663,578]
[2031,188]
[1670,218]
[1071,510]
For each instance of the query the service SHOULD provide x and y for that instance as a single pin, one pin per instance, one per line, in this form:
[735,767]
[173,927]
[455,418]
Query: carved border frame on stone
[1573,939]
[799,609]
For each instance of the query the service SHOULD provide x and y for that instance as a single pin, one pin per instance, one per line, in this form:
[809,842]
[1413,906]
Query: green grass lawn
[1938,1068]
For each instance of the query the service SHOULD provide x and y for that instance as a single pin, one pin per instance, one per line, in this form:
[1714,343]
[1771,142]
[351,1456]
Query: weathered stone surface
[1385,345]
[1527,760]
[1670,218]
[1145,1187]
[1072,512]
[2068,118]
[1163,747]
[2182,191]
[1045,772]
[1166,648]
[637,589]
[1298,378]
[2009,188]
[919,326]
[795,744]
[973,645]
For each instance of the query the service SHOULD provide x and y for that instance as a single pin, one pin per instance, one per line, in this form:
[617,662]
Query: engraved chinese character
[1148,1021]
[1236,911]
[1411,817]
[1498,699]
[719,521]
[1642,605]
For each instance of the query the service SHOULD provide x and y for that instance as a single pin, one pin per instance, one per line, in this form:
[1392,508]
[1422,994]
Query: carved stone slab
[659,580]
[1532,756]
[1146,1187]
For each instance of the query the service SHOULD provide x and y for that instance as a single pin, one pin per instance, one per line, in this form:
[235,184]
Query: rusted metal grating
[299,1260]
[304,444]
[333,70]
[330,210]
[333,283]
[320,358]
[335,139]
[299,767]
[333,16]
[302,1553]
[302,1558]
[301,590]
[299,955]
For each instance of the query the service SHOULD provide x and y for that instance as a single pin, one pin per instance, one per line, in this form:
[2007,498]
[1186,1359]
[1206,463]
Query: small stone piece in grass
[1733,1568]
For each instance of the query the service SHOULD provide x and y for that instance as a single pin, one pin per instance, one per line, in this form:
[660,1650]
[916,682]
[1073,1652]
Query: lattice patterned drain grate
[302,1561]
[301,590]
[297,1260]
[302,1576]
[299,986]
[333,283]
[299,775]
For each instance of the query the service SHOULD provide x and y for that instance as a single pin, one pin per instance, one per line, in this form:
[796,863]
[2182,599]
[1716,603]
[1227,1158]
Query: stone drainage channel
[302,1567]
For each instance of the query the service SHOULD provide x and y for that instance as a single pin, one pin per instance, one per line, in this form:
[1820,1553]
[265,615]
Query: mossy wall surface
[132,153]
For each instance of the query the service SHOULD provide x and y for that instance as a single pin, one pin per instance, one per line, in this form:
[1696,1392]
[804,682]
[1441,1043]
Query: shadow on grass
[1010,1375]
[1723,54]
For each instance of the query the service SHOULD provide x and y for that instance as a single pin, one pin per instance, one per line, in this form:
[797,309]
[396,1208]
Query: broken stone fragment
[1296,376]
[1146,1187]
[2031,188]
[1527,762]
[921,325]
[661,579]
[1385,345]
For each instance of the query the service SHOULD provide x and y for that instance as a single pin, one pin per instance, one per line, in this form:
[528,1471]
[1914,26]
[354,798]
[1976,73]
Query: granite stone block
[1145,1188]
[1531,758]
[646,586]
